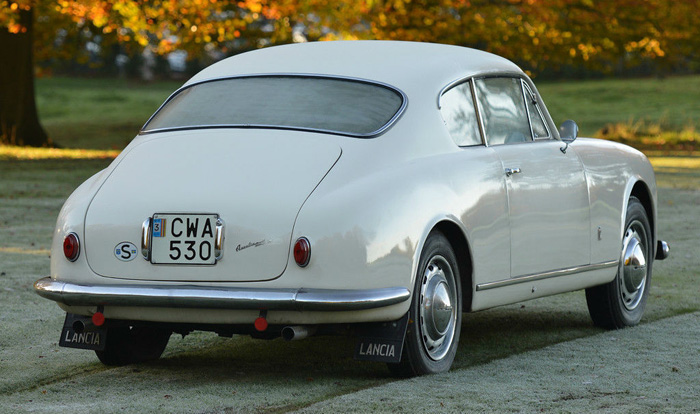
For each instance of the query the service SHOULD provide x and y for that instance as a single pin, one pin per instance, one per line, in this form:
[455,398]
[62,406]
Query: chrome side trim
[546,275]
[373,134]
[219,298]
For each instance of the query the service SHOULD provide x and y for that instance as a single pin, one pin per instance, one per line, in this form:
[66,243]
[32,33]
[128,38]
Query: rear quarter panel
[368,231]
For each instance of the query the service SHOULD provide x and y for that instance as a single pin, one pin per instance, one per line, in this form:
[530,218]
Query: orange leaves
[10,15]
[586,33]
[253,6]
[648,47]
[161,25]
[593,34]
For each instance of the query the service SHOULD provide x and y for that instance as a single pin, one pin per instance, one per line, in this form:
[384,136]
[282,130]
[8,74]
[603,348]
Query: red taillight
[302,251]
[71,247]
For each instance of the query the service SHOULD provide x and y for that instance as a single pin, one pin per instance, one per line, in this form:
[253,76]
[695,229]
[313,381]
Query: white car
[378,188]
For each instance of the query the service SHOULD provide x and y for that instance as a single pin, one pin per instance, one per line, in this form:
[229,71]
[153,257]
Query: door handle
[511,171]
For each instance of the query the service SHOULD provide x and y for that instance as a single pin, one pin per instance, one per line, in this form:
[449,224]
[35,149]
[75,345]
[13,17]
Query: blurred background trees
[166,38]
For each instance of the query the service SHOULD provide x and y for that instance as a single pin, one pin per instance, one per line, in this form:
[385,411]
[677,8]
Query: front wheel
[621,302]
[435,316]
[132,344]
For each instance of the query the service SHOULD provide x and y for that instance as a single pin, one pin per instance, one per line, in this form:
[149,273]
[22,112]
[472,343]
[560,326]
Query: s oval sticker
[125,251]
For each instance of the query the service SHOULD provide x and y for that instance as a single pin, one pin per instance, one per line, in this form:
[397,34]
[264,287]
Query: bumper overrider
[662,250]
[189,296]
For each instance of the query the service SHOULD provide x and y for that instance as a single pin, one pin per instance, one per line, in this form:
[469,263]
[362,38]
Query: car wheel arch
[460,245]
[639,189]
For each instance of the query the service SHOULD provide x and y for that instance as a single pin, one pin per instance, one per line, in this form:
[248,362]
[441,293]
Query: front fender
[614,172]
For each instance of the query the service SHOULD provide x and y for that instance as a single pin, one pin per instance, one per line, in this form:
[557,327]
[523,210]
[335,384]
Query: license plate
[183,239]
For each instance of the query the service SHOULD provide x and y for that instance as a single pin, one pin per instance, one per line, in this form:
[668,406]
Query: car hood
[255,180]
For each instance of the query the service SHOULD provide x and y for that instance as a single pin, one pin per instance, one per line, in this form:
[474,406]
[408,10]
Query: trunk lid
[255,180]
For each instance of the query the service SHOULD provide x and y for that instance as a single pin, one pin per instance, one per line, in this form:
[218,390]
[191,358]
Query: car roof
[406,65]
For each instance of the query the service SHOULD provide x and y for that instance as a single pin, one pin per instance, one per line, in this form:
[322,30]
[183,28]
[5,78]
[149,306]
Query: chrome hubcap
[633,269]
[438,315]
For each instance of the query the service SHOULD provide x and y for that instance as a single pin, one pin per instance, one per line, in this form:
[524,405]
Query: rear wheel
[131,344]
[435,316]
[621,302]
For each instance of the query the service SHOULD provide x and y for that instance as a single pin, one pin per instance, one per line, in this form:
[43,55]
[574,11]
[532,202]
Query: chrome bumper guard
[219,298]
[662,250]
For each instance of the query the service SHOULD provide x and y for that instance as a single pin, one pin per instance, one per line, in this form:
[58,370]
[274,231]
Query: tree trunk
[19,121]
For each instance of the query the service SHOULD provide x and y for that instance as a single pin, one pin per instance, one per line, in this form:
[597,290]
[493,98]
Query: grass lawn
[97,113]
[108,113]
[673,102]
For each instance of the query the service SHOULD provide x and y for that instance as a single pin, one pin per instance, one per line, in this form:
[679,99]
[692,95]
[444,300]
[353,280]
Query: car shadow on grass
[485,336]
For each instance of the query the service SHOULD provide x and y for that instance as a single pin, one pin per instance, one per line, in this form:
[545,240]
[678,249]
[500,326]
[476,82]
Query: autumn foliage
[598,35]
[543,36]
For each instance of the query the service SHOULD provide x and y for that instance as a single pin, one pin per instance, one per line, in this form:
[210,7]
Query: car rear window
[335,105]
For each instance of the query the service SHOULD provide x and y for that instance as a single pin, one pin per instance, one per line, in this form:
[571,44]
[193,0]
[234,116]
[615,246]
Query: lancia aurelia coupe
[377,189]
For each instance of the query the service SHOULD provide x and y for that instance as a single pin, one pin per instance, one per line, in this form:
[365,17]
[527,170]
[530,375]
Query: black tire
[128,344]
[621,302]
[433,331]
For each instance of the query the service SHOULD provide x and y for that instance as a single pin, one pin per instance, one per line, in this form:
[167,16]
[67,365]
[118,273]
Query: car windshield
[340,106]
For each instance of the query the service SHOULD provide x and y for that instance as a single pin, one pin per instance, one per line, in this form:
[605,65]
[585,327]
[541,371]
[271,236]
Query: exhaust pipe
[81,326]
[290,333]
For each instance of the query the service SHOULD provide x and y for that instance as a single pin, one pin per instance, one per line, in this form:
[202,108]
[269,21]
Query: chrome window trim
[546,275]
[529,119]
[479,116]
[476,99]
[232,298]
[473,79]
[539,111]
[373,134]
[454,84]
[449,86]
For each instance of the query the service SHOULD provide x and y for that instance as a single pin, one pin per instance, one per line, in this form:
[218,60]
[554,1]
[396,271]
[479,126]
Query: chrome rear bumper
[219,298]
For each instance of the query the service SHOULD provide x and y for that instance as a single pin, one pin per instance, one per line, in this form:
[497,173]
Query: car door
[480,184]
[547,192]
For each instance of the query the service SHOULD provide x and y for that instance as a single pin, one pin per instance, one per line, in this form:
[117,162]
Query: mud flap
[89,337]
[381,341]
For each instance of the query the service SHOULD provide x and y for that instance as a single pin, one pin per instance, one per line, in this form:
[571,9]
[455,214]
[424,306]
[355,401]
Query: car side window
[503,111]
[457,109]
[539,128]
